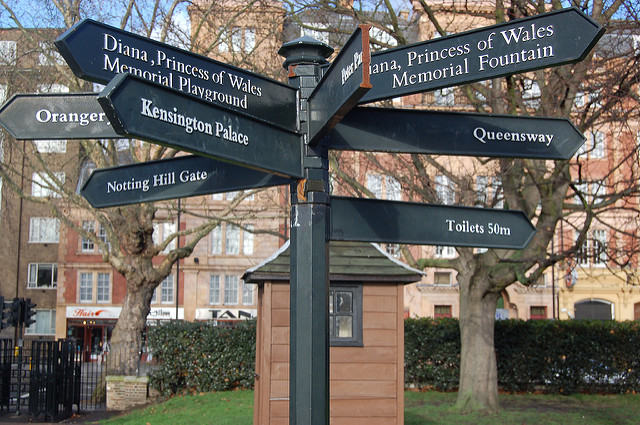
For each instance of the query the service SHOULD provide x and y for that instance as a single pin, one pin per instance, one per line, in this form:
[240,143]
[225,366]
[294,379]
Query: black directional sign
[169,179]
[453,133]
[97,52]
[148,111]
[537,42]
[55,117]
[345,82]
[371,220]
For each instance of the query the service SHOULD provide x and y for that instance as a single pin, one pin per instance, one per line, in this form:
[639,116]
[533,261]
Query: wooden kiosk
[367,336]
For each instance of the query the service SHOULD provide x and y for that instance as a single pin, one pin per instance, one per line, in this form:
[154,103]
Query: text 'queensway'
[192,123]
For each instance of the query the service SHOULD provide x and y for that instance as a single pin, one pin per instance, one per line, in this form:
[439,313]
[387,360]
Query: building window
[94,283]
[102,235]
[86,287]
[103,288]
[445,190]
[50,146]
[214,289]
[440,311]
[314,30]
[45,323]
[597,141]
[231,290]
[248,239]
[445,252]
[8,52]
[531,94]
[445,96]
[538,312]
[237,40]
[232,239]
[86,244]
[49,55]
[384,187]
[442,278]
[247,293]
[44,230]
[216,240]
[166,290]
[345,315]
[52,88]
[3,92]
[162,231]
[42,275]
[594,249]
[44,185]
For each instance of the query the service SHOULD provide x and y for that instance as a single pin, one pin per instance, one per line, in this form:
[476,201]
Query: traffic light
[29,312]
[4,320]
[15,312]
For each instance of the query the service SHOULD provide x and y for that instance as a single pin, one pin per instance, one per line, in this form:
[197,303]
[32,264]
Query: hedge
[201,357]
[552,356]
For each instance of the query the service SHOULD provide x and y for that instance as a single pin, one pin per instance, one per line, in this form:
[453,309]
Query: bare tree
[128,241]
[562,198]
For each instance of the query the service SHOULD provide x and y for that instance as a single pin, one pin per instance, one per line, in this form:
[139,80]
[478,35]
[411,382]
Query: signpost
[148,111]
[374,220]
[195,104]
[98,52]
[345,82]
[171,178]
[455,133]
[55,116]
[521,45]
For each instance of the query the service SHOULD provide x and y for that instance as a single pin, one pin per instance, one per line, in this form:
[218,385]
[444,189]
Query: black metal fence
[46,379]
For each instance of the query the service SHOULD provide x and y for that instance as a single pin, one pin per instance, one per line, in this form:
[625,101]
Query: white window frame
[316,30]
[216,240]
[231,288]
[232,239]
[49,56]
[103,288]
[86,244]
[52,88]
[598,144]
[248,240]
[34,269]
[40,314]
[50,146]
[443,251]
[247,293]
[85,287]
[8,52]
[445,96]
[44,230]
[445,190]
[44,186]
[214,289]
[167,291]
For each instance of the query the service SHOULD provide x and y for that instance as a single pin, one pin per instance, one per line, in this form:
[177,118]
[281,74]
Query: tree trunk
[478,369]
[126,340]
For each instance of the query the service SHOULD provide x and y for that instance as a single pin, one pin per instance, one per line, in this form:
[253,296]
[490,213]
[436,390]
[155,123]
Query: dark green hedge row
[201,357]
[554,356]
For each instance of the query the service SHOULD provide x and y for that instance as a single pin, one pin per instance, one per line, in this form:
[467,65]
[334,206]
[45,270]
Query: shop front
[92,327]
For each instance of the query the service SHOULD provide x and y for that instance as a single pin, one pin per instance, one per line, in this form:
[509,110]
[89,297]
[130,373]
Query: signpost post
[209,108]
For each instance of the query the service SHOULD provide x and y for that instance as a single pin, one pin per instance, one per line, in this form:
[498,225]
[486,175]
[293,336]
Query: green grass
[433,408]
[421,408]
[223,408]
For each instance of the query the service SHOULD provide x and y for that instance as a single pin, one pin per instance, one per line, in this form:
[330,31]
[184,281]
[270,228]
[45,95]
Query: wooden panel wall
[367,383]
